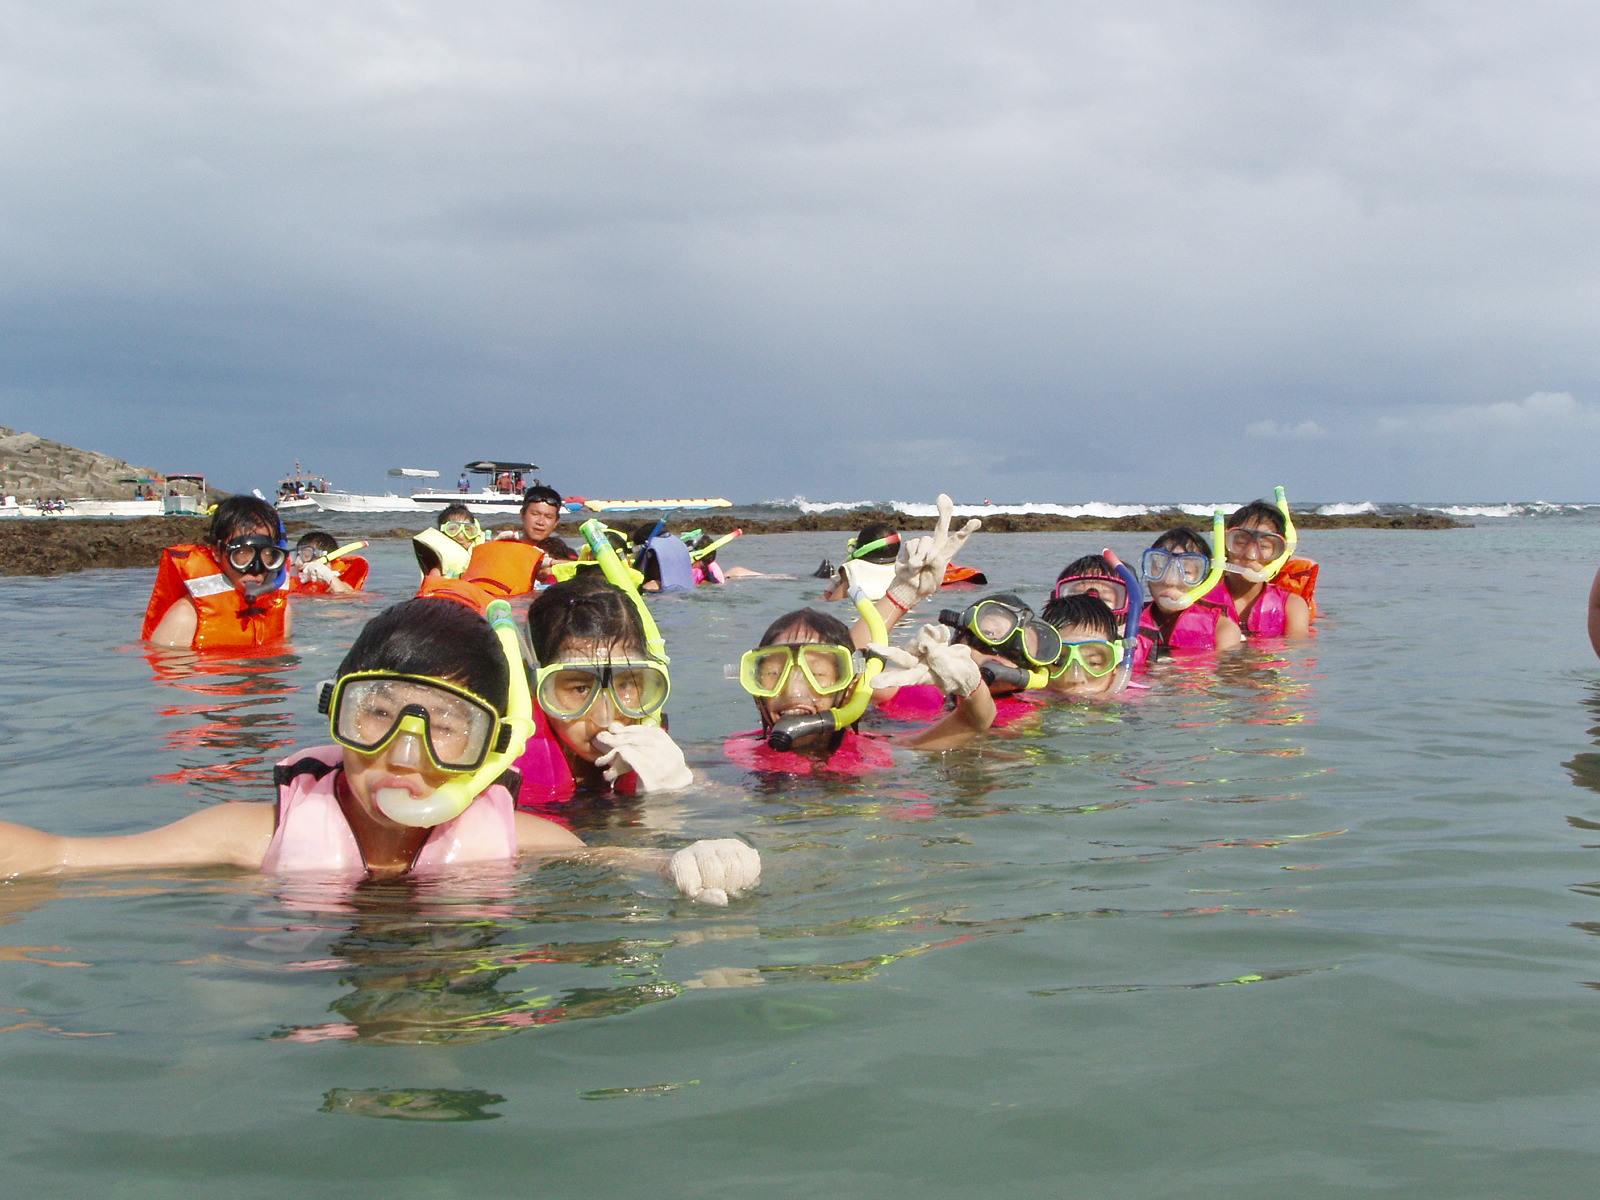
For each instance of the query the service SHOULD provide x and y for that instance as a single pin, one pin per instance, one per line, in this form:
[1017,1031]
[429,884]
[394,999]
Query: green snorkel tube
[618,575]
[453,798]
[789,730]
[1219,559]
[1291,539]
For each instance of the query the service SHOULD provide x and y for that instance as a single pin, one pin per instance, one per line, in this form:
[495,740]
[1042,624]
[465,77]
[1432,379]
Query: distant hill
[34,466]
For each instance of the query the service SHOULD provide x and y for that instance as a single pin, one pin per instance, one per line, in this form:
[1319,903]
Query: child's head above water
[1254,538]
[433,637]
[1176,563]
[1089,633]
[799,683]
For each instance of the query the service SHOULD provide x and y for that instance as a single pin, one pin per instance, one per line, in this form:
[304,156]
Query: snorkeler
[1090,607]
[429,707]
[1189,607]
[445,550]
[599,696]
[1260,539]
[869,562]
[541,513]
[228,592]
[322,567]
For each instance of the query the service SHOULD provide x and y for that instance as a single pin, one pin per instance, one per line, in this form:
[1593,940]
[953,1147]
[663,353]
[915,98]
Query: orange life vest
[955,574]
[351,569]
[504,568]
[225,618]
[459,590]
[1298,577]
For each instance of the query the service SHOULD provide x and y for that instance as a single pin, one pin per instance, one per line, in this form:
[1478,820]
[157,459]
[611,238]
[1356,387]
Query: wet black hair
[1089,564]
[1182,540]
[239,516]
[871,532]
[586,608]
[1082,610]
[1257,511]
[824,626]
[433,636]
[540,493]
[962,637]
[317,540]
[454,512]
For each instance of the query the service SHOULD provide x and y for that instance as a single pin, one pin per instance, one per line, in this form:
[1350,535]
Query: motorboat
[157,496]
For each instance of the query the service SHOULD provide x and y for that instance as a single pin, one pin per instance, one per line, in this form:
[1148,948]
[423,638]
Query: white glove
[318,570]
[919,573]
[711,871]
[930,658]
[648,752]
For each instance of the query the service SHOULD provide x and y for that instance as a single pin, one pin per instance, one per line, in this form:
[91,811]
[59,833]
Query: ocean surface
[1315,921]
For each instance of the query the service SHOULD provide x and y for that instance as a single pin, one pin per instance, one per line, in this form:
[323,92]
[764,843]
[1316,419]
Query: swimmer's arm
[539,837]
[234,835]
[717,868]
[1594,613]
[971,716]
[1228,635]
[1296,617]
[177,624]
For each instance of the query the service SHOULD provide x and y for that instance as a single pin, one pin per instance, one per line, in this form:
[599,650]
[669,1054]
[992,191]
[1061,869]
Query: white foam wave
[1347,510]
[1094,508]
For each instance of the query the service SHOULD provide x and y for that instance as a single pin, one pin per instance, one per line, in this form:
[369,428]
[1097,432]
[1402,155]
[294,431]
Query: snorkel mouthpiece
[786,731]
[1219,558]
[451,799]
[1005,673]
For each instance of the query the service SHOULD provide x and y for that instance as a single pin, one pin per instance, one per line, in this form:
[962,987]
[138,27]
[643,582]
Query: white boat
[170,503]
[500,495]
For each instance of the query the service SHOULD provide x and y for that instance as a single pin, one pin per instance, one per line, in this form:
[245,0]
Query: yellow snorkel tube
[1291,539]
[789,730]
[1219,560]
[625,579]
[453,798]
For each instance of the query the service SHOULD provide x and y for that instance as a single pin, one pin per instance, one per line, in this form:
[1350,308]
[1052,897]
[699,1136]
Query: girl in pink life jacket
[599,698]
[425,715]
[811,687]
[1257,543]
[1189,606]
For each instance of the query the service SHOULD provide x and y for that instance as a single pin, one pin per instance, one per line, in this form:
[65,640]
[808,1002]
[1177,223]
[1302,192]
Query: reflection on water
[227,741]
[412,1104]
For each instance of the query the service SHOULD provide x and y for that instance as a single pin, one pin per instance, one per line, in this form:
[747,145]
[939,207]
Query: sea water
[1318,920]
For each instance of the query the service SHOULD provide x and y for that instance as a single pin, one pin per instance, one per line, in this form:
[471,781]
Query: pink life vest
[313,835]
[1269,615]
[706,573]
[857,754]
[1195,628]
[925,702]
[546,773]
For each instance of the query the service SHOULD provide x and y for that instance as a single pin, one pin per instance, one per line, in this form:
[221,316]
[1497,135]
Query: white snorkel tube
[1219,558]
[453,798]
[1291,540]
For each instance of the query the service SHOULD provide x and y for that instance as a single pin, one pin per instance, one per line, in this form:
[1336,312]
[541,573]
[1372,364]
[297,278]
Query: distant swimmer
[230,591]
[322,567]
[429,707]
[1594,613]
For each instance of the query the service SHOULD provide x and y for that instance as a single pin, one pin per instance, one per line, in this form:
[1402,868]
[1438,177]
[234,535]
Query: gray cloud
[1001,232]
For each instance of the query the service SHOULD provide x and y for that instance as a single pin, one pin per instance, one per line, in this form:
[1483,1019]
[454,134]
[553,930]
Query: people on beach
[420,713]
[230,591]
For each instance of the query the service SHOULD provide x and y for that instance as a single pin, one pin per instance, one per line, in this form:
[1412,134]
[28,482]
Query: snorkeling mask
[595,533]
[1006,630]
[454,530]
[1096,657]
[636,689]
[828,668]
[461,733]
[1107,588]
[786,731]
[1282,548]
[258,553]
[1191,570]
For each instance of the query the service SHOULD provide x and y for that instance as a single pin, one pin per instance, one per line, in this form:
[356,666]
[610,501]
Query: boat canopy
[173,478]
[413,472]
[485,466]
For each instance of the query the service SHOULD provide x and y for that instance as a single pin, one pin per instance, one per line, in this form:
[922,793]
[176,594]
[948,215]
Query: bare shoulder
[535,835]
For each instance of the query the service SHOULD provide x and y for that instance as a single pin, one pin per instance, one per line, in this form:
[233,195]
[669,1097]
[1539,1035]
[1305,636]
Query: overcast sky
[1051,251]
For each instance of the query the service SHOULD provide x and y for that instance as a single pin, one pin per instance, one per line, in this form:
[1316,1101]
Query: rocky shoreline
[59,547]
